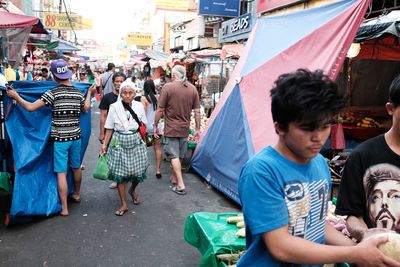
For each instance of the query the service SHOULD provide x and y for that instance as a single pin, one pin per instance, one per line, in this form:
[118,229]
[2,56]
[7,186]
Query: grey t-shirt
[107,83]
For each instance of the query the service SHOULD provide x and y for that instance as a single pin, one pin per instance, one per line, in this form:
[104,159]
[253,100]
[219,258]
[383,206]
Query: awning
[38,28]
[205,53]
[376,28]
[231,50]
[12,20]
[63,46]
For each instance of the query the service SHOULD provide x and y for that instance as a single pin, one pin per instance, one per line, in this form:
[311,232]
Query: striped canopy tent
[241,124]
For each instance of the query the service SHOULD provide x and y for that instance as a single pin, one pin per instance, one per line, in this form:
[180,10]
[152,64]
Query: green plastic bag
[101,170]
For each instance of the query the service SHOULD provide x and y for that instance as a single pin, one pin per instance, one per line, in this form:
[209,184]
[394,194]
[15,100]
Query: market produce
[235,219]
[241,232]
[229,258]
[392,247]
[348,118]
[369,123]
[240,224]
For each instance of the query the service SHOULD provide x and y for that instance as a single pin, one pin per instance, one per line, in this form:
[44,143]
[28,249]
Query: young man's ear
[390,108]
[278,129]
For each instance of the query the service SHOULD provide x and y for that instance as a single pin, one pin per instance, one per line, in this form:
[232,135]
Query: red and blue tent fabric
[241,124]
[35,183]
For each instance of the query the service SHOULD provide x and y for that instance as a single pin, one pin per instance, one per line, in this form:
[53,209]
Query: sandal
[121,212]
[179,191]
[75,199]
[134,196]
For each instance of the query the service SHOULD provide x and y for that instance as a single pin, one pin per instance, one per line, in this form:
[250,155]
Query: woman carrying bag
[126,150]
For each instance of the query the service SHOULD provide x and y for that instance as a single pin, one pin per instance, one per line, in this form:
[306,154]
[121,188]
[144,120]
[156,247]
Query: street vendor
[284,188]
[370,186]
[66,102]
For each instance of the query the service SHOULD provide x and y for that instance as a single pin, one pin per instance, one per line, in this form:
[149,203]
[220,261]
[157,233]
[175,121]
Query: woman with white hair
[126,151]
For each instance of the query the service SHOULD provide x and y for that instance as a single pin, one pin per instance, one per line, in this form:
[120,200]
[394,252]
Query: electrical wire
[69,20]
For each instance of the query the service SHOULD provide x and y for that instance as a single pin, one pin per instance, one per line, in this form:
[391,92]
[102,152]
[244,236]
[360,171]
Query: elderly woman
[126,151]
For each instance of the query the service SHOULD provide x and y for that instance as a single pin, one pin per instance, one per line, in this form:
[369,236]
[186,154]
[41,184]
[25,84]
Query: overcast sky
[111,19]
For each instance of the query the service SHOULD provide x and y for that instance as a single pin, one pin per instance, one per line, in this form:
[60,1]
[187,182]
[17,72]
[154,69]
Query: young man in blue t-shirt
[284,189]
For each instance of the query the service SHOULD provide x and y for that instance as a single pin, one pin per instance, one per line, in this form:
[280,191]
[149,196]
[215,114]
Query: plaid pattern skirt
[127,157]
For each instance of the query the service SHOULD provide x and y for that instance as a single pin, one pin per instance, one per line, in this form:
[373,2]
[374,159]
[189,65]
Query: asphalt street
[150,234]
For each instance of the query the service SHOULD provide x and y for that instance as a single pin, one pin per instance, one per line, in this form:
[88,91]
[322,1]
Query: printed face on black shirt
[383,194]
[384,204]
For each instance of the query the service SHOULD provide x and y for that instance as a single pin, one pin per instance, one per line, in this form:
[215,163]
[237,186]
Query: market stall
[241,123]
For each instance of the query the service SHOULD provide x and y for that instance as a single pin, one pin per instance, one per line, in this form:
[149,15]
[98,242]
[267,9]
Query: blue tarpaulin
[35,185]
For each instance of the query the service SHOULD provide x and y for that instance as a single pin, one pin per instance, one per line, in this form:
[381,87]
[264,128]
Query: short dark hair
[305,97]
[110,66]
[118,74]
[44,70]
[394,91]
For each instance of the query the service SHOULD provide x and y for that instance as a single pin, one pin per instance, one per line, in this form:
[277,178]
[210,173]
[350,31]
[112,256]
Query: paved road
[151,234]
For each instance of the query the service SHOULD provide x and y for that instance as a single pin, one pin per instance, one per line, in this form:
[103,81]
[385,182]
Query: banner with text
[173,4]
[139,39]
[224,8]
[57,21]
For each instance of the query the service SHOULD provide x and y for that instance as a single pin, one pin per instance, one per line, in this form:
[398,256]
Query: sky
[112,20]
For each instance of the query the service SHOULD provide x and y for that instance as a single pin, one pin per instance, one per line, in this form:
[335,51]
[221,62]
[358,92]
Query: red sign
[267,5]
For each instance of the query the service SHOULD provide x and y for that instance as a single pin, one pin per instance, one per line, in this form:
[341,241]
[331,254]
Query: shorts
[175,147]
[67,152]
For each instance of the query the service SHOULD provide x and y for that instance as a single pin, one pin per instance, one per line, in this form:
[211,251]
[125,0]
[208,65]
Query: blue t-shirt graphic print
[276,192]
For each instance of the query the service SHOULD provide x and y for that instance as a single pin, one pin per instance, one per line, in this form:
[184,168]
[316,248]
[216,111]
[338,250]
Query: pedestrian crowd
[128,124]
[290,176]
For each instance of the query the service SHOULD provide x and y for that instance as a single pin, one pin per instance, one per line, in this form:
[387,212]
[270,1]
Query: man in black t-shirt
[370,187]
[109,99]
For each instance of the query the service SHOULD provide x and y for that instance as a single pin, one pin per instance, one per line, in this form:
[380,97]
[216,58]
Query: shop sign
[172,5]
[57,21]
[268,5]
[223,8]
[139,39]
[236,26]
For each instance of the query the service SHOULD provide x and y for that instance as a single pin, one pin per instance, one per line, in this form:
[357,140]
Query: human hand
[156,136]
[11,92]
[197,135]
[369,255]
[103,149]
[374,231]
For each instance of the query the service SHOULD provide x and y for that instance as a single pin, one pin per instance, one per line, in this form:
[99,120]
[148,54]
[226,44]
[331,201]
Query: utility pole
[59,11]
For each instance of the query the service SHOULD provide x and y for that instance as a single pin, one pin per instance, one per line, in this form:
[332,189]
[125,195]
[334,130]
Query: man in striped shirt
[66,103]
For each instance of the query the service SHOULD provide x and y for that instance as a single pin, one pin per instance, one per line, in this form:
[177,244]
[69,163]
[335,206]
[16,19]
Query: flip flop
[121,212]
[75,199]
[178,191]
[134,196]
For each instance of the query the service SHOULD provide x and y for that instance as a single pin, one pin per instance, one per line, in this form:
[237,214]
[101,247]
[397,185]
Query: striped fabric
[66,103]
[127,157]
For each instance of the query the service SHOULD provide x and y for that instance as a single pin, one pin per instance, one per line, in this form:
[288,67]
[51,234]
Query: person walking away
[284,188]
[104,106]
[106,85]
[370,186]
[126,150]
[176,102]
[149,101]
[66,102]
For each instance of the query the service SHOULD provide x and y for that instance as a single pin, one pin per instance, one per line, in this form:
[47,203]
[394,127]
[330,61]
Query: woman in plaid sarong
[126,151]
